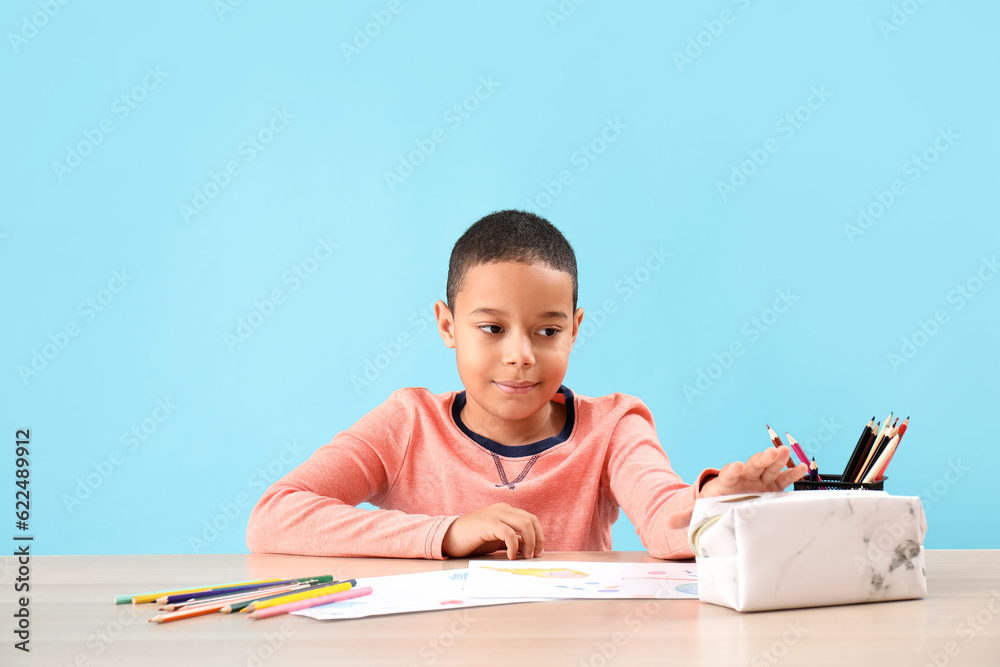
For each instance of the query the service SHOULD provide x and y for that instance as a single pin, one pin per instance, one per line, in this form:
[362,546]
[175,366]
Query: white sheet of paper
[401,593]
[574,579]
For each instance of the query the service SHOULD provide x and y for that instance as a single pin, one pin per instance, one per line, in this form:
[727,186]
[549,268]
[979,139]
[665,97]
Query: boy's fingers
[530,528]
[773,463]
[539,536]
[789,476]
[730,474]
[764,466]
[509,537]
[528,538]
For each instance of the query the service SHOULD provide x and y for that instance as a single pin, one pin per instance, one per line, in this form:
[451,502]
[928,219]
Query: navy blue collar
[515,451]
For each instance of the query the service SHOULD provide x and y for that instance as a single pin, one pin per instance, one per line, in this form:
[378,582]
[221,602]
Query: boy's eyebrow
[558,314]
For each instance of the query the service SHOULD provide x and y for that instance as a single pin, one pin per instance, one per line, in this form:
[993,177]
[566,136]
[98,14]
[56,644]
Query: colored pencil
[798,450]
[877,452]
[777,443]
[208,608]
[256,594]
[869,450]
[882,460]
[217,605]
[870,457]
[312,602]
[857,448]
[240,606]
[143,598]
[813,471]
[185,597]
[886,425]
[902,430]
[865,448]
[889,453]
[295,597]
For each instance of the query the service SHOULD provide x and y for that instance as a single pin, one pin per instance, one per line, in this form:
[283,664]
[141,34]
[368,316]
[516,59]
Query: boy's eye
[553,330]
[491,326]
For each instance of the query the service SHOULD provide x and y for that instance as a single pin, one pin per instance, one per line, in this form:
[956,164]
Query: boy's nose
[518,351]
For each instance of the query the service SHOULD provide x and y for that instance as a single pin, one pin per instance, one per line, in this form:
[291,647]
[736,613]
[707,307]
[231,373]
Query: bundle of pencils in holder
[866,467]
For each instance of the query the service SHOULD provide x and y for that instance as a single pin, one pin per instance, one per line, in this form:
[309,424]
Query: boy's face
[512,330]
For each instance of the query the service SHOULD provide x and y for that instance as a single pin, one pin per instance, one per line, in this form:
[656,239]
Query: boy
[516,461]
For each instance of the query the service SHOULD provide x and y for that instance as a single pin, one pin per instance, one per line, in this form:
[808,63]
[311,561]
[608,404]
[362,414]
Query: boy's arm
[311,510]
[646,487]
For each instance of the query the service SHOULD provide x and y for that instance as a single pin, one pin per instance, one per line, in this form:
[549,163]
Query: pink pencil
[311,602]
[798,450]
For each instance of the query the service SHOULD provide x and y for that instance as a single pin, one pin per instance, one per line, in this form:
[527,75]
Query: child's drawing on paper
[549,572]
[567,579]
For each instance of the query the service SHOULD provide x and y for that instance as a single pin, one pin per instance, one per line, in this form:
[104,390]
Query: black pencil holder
[836,482]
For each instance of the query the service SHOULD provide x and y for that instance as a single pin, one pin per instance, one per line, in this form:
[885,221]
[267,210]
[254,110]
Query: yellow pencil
[304,595]
[153,597]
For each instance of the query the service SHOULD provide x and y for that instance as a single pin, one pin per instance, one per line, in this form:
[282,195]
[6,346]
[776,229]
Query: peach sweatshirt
[414,459]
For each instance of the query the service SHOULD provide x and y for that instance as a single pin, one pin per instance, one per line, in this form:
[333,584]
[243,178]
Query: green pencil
[125,599]
[239,606]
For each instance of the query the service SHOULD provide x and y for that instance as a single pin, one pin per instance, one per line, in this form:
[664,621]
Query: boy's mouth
[515,387]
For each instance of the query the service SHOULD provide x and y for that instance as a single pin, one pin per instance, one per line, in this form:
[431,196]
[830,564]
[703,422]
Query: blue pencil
[185,597]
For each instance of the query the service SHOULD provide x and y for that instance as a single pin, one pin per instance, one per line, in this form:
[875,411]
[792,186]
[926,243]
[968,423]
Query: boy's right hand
[486,530]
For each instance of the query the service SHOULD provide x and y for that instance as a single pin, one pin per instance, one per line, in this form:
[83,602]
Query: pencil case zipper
[699,529]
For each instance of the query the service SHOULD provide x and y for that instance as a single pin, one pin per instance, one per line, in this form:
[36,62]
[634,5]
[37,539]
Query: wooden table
[74,623]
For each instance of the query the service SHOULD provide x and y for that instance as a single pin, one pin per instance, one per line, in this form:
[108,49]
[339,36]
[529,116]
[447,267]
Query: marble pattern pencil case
[808,549]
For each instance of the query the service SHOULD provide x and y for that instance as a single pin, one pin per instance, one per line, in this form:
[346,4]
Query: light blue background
[247,415]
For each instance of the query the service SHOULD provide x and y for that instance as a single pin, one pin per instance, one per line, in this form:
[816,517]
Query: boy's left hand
[763,472]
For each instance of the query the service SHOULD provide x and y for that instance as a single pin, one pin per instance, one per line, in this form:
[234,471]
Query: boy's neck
[546,423]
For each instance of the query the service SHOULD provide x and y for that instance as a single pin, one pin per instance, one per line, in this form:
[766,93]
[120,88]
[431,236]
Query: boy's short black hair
[509,236]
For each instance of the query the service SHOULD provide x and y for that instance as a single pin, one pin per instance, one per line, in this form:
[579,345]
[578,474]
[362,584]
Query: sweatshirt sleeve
[312,510]
[646,486]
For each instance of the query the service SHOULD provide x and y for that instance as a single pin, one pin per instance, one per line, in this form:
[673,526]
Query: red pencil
[902,430]
[778,443]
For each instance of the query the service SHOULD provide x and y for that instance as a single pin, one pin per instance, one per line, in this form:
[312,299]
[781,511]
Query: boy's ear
[446,323]
[577,317]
